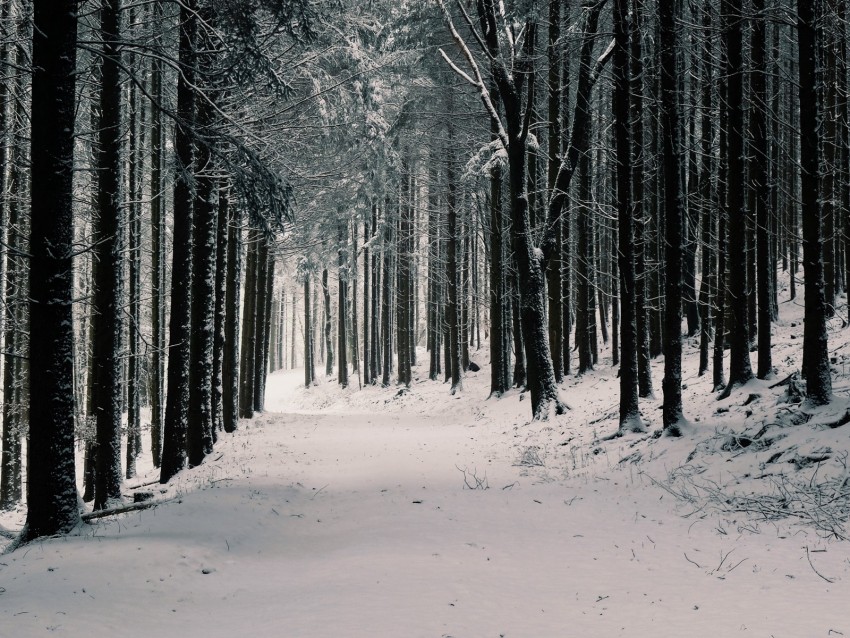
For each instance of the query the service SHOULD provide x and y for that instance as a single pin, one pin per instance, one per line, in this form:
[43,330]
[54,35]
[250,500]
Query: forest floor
[381,512]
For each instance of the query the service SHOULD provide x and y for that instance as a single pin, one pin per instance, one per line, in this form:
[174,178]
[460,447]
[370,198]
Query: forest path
[341,521]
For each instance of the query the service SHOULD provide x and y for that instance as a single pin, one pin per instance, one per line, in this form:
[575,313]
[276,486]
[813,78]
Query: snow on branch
[476,79]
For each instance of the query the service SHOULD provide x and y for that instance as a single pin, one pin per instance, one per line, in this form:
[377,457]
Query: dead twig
[809,558]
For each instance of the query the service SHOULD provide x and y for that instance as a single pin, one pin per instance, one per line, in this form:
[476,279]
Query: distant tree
[342,299]
[327,332]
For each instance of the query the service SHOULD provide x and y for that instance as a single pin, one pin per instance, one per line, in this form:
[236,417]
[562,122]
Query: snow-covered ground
[364,513]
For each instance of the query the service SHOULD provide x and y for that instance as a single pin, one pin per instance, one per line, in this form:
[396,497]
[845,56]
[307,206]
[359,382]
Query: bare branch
[478,82]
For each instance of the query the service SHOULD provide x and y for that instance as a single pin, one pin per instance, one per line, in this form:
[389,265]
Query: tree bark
[199,434]
[740,370]
[629,410]
[554,266]
[51,478]
[328,327]
[815,353]
[759,181]
[673,219]
[230,359]
[177,398]
[342,299]
[106,385]
[158,233]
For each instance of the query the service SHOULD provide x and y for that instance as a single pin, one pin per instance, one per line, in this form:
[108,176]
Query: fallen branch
[133,507]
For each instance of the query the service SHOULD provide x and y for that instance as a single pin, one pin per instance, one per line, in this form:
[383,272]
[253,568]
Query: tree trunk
[309,373]
[106,387]
[136,126]
[707,215]
[374,353]
[264,309]
[51,477]
[16,306]
[759,181]
[249,326]
[328,327]
[554,266]
[453,364]
[177,398]
[386,301]
[158,234]
[367,308]
[629,410]
[640,210]
[740,370]
[220,345]
[815,353]
[673,219]
[342,300]
[230,358]
[199,435]
[499,372]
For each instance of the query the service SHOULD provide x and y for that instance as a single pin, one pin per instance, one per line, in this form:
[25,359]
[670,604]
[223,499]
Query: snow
[346,512]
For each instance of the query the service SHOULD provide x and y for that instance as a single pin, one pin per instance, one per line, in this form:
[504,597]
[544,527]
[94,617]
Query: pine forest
[425,317]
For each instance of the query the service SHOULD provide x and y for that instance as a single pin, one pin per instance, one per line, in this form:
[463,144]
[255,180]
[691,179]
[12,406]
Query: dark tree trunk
[199,434]
[720,287]
[759,181]
[585,306]
[261,363]
[177,399]
[519,377]
[740,370]
[249,326]
[374,350]
[342,300]
[815,354]
[260,337]
[386,302]
[707,215]
[136,126]
[554,266]
[309,372]
[367,308]
[51,476]
[453,363]
[499,356]
[435,270]
[328,325]
[640,210]
[565,254]
[827,80]
[352,301]
[629,410]
[220,345]
[230,362]
[158,233]
[106,386]
[673,218]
